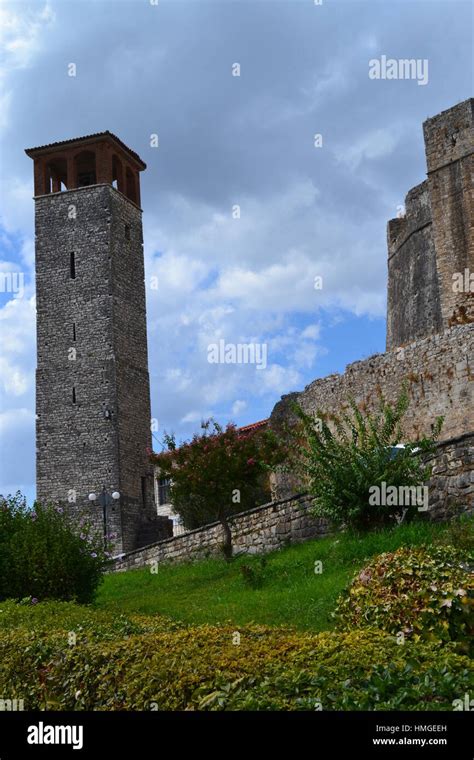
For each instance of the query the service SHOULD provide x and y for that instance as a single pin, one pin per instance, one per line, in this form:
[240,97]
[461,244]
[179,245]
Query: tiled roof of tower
[86,138]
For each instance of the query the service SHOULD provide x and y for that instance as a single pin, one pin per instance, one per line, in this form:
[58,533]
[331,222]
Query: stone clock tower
[92,384]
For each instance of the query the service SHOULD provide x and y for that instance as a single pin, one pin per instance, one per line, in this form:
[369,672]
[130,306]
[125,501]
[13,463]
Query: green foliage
[254,575]
[424,593]
[343,456]
[213,591]
[205,668]
[44,556]
[460,532]
[218,473]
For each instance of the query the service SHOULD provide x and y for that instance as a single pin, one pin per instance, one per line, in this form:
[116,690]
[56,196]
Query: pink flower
[251,461]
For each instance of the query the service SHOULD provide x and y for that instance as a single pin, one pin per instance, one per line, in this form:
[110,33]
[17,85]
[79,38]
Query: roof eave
[87,139]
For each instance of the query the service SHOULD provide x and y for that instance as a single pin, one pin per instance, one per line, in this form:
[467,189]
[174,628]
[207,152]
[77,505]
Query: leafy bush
[44,556]
[205,668]
[343,456]
[422,593]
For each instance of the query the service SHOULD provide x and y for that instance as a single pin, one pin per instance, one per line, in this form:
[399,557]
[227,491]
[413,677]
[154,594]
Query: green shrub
[44,556]
[149,663]
[342,457]
[460,532]
[254,575]
[422,593]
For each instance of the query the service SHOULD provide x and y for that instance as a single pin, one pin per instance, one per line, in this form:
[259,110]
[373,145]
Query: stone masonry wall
[256,531]
[434,241]
[449,143]
[93,396]
[278,524]
[413,300]
[76,445]
[439,372]
[451,487]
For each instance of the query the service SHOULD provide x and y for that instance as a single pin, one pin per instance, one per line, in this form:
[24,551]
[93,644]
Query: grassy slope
[212,591]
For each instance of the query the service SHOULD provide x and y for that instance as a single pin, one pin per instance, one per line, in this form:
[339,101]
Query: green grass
[291,593]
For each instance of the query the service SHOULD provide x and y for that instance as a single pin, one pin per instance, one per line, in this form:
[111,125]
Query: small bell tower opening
[85,168]
[55,175]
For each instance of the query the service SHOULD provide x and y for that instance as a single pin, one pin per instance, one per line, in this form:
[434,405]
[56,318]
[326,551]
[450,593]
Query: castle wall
[435,238]
[413,298]
[449,143]
[438,370]
[451,486]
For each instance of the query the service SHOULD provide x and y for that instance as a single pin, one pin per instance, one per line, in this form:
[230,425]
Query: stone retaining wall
[451,488]
[257,531]
[280,523]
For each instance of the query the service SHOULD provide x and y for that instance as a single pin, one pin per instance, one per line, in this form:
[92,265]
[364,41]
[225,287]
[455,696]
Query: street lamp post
[105,499]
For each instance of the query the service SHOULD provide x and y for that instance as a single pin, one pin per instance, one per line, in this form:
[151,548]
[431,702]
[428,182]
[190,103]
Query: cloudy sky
[225,141]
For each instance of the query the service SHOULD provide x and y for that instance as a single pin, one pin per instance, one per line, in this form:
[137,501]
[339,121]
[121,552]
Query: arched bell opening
[85,168]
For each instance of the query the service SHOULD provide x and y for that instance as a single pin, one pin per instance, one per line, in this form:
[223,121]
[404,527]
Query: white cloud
[22,34]
[311,331]
[238,406]
[17,205]
[195,416]
[373,145]
[17,342]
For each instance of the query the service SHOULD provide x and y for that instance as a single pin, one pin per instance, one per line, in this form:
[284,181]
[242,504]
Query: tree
[218,473]
[345,458]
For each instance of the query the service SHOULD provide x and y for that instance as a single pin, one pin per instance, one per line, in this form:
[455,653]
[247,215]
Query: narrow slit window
[73,266]
[127,232]
[73,395]
[74,331]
